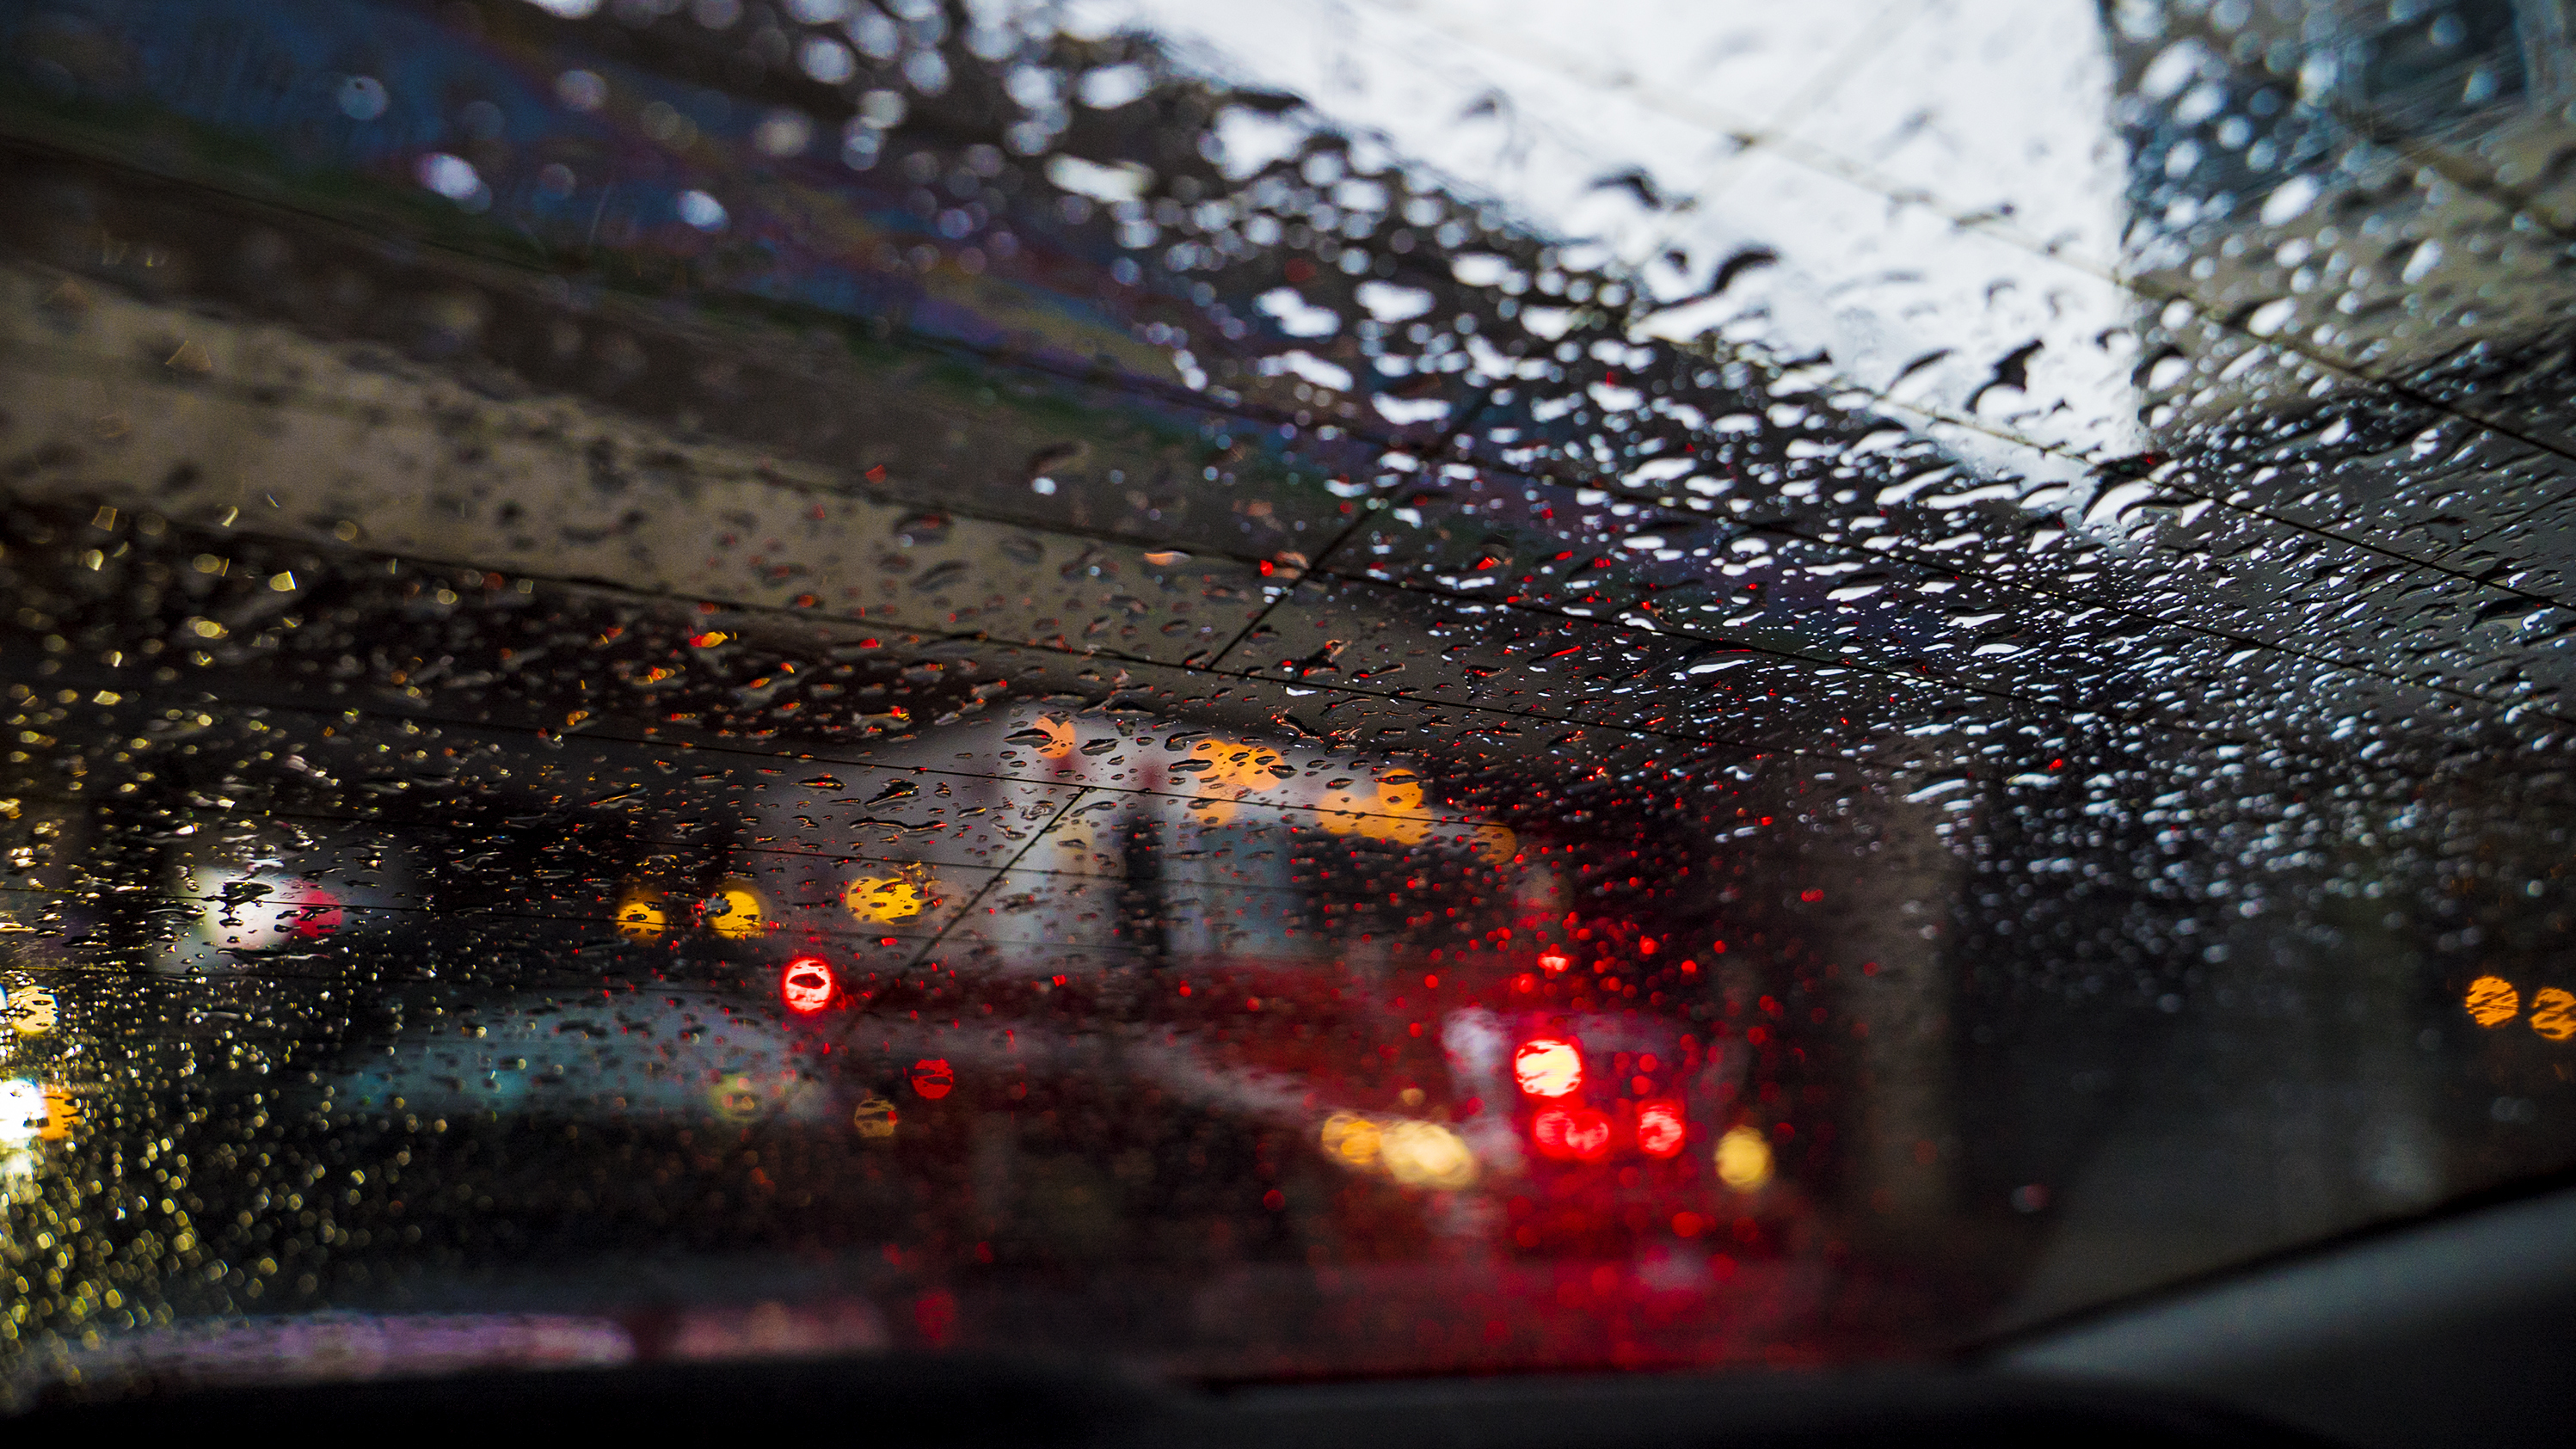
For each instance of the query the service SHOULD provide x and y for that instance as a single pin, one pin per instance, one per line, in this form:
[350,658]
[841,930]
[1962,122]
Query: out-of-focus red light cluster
[1548,1067]
[1565,1128]
[1572,1133]
[1660,1128]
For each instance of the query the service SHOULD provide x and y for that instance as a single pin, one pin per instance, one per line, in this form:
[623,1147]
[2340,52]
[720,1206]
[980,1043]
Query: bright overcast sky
[1994,107]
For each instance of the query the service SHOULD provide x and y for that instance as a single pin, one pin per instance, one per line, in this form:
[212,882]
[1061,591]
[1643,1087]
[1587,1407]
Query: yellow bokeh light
[27,1010]
[1209,811]
[1397,829]
[1743,1159]
[1399,792]
[1496,844]
[1352,1140]
[1059,737]
[1388,808]
[62,1113]
[886,899]
[1426,1154]
[33,1112]
[2492,1001]
[874,1117]
[1341,811]
[1234,763]
[2553,1013]
[735,911]
[735,1098]
[640,917]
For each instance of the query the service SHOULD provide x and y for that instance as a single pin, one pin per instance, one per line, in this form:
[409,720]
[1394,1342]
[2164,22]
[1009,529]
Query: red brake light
[1581,1134]
[1548,1067]
[1660,1128]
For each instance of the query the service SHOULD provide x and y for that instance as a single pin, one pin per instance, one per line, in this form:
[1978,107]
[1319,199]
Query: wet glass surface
[1302,690]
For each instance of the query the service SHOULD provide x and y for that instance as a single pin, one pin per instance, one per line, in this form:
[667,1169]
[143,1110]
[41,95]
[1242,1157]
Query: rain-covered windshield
[1284,690]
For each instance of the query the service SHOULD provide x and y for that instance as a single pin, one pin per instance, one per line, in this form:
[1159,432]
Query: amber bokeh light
[2553,1013]
[2492,1001]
